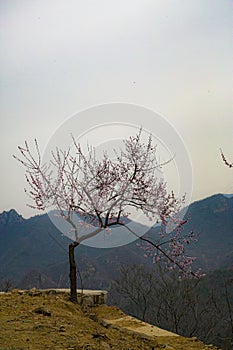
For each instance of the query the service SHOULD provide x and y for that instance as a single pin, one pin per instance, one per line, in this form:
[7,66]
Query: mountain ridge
[15,214]
[34,250]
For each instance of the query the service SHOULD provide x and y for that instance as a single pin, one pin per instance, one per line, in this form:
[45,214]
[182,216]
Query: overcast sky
[171,56]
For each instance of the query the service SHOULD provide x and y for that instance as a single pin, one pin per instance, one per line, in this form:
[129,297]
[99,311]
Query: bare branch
[230,165]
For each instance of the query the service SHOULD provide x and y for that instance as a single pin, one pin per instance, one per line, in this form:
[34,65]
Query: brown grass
[31,321]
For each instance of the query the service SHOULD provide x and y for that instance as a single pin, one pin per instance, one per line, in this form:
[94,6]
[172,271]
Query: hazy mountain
[10,217]
[33,251]
[212,220]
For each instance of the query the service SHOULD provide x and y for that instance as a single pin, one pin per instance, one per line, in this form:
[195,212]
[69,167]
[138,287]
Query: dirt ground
[35,321]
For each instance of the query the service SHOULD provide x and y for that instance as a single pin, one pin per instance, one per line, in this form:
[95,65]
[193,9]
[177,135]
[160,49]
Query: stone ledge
[88,297]
[136,326]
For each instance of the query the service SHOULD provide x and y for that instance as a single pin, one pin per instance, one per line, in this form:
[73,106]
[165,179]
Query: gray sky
[171,56]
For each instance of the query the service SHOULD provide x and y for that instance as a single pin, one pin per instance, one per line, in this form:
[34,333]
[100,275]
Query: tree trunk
[73,278]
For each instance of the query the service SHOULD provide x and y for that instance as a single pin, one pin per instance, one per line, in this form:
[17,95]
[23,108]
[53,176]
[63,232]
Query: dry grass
[31,321]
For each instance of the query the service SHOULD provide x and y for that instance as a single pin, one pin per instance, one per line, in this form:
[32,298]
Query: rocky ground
[34,321]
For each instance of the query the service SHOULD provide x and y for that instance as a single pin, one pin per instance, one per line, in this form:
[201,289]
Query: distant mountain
[212,219]
[33,251]
[9,218]
[228,195]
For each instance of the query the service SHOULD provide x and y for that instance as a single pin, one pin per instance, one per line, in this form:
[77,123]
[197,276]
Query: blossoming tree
[102,192]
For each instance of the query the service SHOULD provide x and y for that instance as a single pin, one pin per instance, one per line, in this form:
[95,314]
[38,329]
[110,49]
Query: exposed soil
[37,321]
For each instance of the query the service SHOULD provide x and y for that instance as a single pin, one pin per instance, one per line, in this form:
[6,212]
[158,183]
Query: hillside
[34,321]
[212,218]
[33,253]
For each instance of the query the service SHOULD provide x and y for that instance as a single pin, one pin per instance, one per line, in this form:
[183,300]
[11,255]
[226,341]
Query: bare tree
[6,285]
[227,337]
[136,287]
[102,191]
[185,306]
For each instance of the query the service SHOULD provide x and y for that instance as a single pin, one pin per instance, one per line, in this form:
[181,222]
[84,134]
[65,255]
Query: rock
[100,336]
[42,311]
[33,292]
[62,328]
[166,347]
[104,324]
[194,339]
[105,346]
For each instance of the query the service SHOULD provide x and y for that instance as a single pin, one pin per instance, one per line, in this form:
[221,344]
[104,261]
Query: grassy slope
[70,327]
